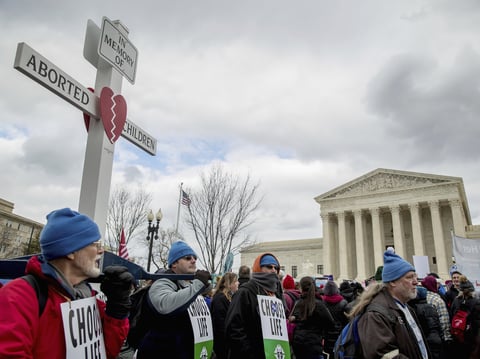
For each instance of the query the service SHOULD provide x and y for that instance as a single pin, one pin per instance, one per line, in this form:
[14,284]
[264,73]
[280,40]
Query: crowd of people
[399,315]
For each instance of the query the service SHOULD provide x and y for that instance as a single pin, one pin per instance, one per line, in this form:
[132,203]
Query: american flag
[122,250]
[185,199]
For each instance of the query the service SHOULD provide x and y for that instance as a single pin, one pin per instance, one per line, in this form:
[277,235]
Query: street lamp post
[152,233]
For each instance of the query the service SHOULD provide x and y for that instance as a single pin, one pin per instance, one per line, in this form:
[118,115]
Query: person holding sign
[71,251]
[243,324]
[179,312]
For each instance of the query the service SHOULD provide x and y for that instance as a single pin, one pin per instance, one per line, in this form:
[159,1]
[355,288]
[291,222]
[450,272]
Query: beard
[88,266]
[413,295]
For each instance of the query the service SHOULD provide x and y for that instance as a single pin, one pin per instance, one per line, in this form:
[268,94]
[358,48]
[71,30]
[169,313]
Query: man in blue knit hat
[31,321]
[172,333]
[388,327]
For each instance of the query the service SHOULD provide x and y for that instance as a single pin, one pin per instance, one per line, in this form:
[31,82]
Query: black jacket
[429,322]
[243,329]
[219,309]
[308,335]
[337,310]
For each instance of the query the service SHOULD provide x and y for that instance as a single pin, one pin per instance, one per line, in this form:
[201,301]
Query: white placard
[83,329]
[422,268]
[202,328]
[201,320]
[274,327]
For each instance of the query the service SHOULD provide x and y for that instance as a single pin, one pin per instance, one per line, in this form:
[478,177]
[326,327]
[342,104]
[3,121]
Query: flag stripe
[185,199]
[122,250]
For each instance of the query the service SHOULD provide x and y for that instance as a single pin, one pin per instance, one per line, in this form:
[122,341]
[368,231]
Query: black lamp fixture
[152,233]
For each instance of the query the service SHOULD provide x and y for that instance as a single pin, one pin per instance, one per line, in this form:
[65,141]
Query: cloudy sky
[302,95]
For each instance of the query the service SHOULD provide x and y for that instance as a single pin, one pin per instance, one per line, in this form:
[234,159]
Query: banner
[467,258]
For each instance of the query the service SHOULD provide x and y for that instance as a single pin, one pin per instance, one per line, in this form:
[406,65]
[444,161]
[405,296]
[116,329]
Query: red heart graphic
[113,112]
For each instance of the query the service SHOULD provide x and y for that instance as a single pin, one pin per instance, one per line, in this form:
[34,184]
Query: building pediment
[384,180]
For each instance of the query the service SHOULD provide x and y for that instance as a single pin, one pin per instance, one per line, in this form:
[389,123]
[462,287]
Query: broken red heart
[113,112]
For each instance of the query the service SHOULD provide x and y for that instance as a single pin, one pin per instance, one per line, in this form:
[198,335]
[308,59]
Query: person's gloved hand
[117,285]
[203,275]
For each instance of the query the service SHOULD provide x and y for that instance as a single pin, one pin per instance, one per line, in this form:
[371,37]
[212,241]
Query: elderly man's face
[405,288]
[87,260]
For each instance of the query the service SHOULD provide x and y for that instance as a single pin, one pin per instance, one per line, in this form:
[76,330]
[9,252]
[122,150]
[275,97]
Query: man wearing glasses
[243,327]
[172,333]
[71,251]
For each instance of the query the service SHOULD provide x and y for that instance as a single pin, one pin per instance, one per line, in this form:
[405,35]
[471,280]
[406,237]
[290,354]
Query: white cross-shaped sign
[111,64]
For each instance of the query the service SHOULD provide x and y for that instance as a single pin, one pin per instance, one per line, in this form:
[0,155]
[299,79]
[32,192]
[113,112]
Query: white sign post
[97,170]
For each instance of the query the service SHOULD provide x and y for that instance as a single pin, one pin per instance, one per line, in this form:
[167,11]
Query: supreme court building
[413,212]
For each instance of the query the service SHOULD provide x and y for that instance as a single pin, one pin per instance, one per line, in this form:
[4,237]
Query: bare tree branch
[127,211]
[219,213]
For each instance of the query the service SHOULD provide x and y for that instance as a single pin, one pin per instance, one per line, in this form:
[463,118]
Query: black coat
[243,328]
[464,350]
[430,323]
[219,308]
[308,335]
[337,310]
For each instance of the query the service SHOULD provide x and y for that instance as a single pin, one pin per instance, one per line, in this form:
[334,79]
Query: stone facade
[16,232]
[413,212]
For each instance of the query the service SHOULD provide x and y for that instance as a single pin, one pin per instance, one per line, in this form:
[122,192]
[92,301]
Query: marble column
[328,248]
[418,245]
[342,246]
[378,238]
[439,239]
[398,239]
[360,246]
[458,217]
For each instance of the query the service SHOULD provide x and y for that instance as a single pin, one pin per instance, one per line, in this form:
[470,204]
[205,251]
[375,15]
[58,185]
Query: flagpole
[178,209]
[453,245]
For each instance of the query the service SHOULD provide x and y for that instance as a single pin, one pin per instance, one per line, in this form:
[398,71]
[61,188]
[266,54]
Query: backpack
[460,323]
[140,313]
[142,316]
[291,326]
[347,345]
[41,289]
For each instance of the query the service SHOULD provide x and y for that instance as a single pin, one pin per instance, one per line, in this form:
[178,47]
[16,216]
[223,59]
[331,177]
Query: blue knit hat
[178,250]
[267,260]
[67,231]
[394,267]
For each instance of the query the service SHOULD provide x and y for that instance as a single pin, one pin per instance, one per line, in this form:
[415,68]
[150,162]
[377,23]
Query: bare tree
[7,247]
[219,213]
[127,211]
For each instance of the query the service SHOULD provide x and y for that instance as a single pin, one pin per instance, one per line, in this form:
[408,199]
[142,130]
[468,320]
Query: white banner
[83,329]
[467,258]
